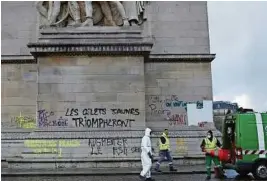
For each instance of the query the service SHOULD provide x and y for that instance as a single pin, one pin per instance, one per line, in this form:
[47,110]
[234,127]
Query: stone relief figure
[81,13]
[89,13]
[57,13]
[135,11]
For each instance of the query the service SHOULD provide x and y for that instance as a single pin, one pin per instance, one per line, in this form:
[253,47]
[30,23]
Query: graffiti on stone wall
[100,147]
[26,122]
[170,108]
[202,123]
[118,146]
[97,147]
[115,146]
[87,117]
[183,104]
[177,119]
[41,147]
[44,119]
[136,149]
[181,146]
[169,102]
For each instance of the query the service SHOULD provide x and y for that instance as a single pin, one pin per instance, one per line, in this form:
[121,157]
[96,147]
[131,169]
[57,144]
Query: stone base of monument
[86,69]
[96,149]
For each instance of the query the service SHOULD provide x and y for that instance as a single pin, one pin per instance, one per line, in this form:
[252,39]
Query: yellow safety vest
[165,146]
[210,145]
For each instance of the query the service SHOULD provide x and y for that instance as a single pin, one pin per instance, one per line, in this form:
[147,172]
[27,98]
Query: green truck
[245,141]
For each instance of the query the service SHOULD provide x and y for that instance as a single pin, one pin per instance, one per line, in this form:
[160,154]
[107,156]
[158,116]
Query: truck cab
[245,141]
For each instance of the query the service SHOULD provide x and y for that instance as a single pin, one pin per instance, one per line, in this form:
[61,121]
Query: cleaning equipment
[222,154]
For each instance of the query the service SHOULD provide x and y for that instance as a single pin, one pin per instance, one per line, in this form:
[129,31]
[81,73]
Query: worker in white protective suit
[146,156]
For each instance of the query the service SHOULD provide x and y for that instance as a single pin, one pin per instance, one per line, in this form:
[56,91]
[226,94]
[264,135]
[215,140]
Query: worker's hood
[210,134]
[147,132]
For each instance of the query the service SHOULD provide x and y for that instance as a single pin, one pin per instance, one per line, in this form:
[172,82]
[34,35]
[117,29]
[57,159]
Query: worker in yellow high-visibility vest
[210,143]
[164,151]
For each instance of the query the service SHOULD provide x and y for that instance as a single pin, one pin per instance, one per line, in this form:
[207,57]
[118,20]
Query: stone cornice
[92,41]
[181,58]
[17,59]
[90,48]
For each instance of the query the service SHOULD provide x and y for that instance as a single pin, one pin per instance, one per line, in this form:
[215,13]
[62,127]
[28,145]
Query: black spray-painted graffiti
[118,145]
[83,119]
[155,110]
[136,150]
[125,111]
[44,119]
[86,111]
[102,123]
[101,111]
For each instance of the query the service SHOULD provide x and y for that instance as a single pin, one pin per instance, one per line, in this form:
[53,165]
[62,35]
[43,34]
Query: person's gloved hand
[150,155]
[152,158]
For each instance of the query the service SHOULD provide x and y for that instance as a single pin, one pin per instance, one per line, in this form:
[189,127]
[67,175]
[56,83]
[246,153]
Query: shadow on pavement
[244,178]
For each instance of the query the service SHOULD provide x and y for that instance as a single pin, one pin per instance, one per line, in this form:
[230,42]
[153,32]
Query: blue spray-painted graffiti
[183,104]
[45,119]
[43,116]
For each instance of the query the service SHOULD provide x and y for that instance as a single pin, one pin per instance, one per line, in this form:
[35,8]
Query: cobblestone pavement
[192,177]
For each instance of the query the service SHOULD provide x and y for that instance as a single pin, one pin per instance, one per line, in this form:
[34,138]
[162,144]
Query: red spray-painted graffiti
[170,108]
[177,119]
[202,124]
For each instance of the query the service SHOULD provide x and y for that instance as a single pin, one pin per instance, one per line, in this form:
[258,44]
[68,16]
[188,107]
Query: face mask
[166,132]
[209,136]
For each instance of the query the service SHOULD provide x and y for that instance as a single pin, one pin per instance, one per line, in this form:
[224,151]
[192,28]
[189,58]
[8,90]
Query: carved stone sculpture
[89,13]
[135,11]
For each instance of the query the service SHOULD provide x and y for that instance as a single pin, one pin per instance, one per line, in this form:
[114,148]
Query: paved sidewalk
[194,169]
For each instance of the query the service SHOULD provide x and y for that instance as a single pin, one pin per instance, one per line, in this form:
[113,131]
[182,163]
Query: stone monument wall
[19,88]
[17,29]
[170,86]
[94,89]
[91,92]
[176,27]
[19,95]
[179,27]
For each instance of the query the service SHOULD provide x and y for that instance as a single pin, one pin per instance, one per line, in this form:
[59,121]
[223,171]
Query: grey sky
[238,35]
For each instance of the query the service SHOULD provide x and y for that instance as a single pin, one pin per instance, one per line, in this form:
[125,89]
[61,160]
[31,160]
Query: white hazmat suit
[146,150]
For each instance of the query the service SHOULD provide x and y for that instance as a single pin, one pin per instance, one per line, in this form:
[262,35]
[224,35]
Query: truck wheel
[260,171]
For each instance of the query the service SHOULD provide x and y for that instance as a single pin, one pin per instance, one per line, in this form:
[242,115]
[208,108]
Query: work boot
[142,177]
[150,179]
[157,170]
[208,178]
[172,169]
